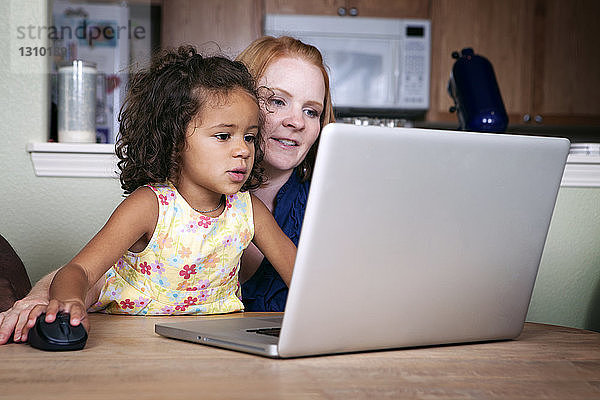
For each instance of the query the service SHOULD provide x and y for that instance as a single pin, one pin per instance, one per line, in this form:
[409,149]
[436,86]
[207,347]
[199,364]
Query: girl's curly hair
[160,103]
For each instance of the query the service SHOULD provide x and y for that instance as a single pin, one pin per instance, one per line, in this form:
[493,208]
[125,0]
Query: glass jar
[77,102]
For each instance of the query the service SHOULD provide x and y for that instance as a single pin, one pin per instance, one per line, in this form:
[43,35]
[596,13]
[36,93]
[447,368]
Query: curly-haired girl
[189,146]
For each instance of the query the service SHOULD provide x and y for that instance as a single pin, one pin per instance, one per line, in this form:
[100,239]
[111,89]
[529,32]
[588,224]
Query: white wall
[47,220]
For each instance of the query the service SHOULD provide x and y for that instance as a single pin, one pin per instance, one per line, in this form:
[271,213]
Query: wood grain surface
[124,358]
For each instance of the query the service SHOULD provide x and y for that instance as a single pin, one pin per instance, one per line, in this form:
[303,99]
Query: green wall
[46,220]
[567,289]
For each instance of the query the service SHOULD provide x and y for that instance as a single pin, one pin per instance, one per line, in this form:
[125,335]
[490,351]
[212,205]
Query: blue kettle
[476,95]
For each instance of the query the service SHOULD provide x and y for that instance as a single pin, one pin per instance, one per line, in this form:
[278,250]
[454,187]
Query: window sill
[74,160]
[582,170]
[100,161]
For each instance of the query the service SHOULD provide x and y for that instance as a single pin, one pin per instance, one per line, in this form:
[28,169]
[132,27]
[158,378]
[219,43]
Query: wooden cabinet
[544,53]
[567,62]
[225,26]
[496,30]
[308,7]
[389,8]
[359,8]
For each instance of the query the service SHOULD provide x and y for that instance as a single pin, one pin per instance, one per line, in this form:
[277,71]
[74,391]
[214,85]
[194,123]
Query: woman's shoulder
[294,186]
[293,194]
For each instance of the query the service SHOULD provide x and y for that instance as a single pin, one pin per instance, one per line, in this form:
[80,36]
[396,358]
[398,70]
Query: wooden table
[124,358]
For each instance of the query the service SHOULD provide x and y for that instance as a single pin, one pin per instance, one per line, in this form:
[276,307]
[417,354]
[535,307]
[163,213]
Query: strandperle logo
[89,30]
[93,33]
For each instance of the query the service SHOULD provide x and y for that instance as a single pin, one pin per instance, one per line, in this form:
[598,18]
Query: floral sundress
[190,265]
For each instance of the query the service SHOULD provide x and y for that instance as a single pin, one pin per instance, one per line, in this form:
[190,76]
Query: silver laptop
[411,237]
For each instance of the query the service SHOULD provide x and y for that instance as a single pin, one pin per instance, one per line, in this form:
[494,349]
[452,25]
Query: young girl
[190,142]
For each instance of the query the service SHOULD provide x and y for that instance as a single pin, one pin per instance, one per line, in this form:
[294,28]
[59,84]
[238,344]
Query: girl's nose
[294,119]
[242,149]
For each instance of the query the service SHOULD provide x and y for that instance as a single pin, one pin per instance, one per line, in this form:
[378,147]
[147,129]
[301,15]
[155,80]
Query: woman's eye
[250,138]
[277,102]
[311,113]
[222,136]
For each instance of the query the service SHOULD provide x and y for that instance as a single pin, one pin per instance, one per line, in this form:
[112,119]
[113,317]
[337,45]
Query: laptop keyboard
[266,331]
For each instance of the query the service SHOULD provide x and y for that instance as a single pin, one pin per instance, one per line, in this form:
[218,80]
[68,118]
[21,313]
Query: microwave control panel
[414,66]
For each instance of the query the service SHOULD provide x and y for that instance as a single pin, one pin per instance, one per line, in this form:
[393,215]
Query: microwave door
[361,70]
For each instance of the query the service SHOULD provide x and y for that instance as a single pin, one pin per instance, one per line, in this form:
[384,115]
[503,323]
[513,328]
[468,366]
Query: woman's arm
[15,318]
[251,260]
[272,242]
[132,222]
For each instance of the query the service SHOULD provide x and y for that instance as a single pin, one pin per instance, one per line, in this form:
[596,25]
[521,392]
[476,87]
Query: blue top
[265,290]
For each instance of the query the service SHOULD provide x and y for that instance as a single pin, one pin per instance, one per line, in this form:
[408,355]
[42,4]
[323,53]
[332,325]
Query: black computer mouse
[59,335]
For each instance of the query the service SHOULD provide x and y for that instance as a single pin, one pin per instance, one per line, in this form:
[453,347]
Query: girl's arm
[272,242]
[133,221]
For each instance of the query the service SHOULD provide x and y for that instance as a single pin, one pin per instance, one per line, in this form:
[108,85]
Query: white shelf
[100,161]
[582,170]
[74,160]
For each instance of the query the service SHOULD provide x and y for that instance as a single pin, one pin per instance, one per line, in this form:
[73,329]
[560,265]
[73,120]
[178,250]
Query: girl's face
[219,152]
[292,122]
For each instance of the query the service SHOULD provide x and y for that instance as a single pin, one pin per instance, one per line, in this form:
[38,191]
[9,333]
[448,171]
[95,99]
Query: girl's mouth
[237,175]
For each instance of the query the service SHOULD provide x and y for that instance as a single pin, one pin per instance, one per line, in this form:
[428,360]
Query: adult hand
[15,319]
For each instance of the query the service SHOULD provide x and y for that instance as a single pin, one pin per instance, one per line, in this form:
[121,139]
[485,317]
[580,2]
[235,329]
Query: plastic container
[77,102]
[476,94]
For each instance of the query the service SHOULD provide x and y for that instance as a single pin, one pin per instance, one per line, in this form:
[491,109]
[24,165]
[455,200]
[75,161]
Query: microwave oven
[378,67]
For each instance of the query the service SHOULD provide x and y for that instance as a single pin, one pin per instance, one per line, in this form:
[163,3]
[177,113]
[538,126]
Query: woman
[298,105]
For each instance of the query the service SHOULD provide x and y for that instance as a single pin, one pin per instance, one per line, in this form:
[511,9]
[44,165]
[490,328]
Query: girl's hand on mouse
[75,308]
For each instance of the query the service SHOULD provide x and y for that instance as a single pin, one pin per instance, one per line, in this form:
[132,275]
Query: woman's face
[292,122]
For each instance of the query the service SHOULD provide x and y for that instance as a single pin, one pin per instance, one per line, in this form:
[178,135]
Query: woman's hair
[264,51]
[160,103]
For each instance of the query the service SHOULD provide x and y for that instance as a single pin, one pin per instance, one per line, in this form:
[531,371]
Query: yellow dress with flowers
[190,265]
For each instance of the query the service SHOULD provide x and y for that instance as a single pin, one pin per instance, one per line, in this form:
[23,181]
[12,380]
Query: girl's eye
[250,138]
[222,136]
[312,113]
